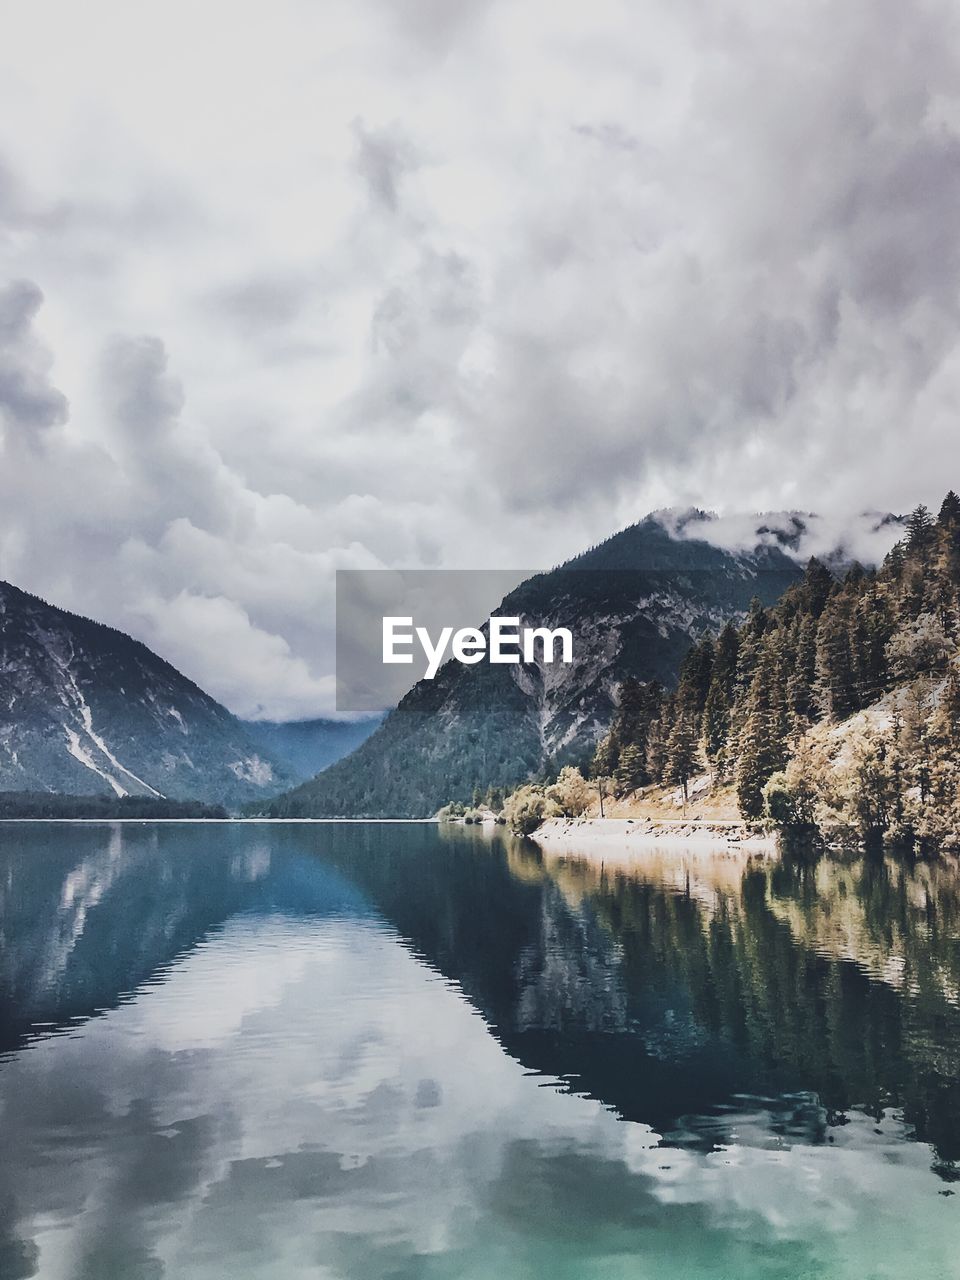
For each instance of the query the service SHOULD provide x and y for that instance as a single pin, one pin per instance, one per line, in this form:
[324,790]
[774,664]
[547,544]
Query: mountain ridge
[85,707]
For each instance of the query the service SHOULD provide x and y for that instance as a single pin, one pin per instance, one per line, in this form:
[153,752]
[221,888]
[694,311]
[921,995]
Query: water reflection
[837,975]
[297,1061]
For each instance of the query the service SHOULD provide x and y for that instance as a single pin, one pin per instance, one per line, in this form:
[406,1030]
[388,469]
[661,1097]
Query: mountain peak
[85,709]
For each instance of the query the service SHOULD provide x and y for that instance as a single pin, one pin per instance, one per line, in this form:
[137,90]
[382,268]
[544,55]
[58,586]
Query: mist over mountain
[864,536]
[85,709]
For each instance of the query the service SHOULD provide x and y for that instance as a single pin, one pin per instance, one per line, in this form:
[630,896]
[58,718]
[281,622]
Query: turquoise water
[395,1051]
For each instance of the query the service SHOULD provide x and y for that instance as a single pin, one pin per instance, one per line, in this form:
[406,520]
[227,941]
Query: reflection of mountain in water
[89,912]
[667,1001]
[668,996]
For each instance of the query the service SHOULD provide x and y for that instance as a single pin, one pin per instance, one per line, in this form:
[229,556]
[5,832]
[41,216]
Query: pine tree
[870,630]
[681,753]
[639,705]
[949,517]
[919,530]
[605,758]
[632,769]
[631,711]
[818,582]
[836,680]
[725,661]
[748,655]
[715,725]
[945,583]
[913,589]
[696,671]
[801,679]
[757,619]
[762,739]
[656,750]
[894,561]
[947,719]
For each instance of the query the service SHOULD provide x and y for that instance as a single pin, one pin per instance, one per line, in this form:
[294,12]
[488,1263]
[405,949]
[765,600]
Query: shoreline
[707,834]
[230,821]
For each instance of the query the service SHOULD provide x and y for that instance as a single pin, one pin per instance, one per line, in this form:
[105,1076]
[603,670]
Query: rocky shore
[621,833]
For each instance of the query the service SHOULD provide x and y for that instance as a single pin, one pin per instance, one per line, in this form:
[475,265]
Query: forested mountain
[305,747]
[838,707]
[635,604]
[86,709]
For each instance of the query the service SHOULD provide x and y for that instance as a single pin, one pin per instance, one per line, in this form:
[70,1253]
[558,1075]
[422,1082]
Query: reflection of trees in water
[897,919]
[569,974]
[837,976]
[665,987]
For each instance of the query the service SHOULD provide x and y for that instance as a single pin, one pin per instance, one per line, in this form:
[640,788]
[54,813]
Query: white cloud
[469,285]
[235,659]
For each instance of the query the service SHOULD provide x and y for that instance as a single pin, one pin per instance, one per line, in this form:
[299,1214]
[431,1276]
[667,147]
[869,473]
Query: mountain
[635,605]
[305,747]
[86,709]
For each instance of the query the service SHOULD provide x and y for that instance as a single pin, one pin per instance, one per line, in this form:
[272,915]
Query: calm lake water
[373,1051]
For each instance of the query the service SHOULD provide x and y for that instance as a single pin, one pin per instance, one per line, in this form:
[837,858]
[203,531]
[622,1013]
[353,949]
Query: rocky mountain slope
[86,709]
[635,603]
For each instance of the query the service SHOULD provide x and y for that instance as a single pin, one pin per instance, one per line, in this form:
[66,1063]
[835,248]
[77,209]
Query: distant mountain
[305,747]
[86,709]
[635,604]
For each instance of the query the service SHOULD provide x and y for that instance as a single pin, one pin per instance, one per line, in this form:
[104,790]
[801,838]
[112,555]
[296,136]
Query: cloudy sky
[295,286]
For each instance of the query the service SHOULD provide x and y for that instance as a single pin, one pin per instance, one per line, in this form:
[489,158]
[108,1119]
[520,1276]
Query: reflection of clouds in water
[304,1099]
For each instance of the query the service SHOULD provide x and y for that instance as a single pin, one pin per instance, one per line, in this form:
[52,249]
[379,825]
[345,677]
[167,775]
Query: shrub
[450,811]
[525,809]
[570,793]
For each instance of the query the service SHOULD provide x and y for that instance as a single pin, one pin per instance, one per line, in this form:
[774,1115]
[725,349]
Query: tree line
[756,703]
[48,804]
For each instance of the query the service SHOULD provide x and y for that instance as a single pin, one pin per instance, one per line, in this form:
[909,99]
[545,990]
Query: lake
[377,1050]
